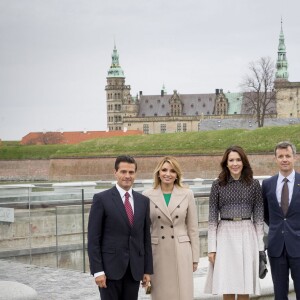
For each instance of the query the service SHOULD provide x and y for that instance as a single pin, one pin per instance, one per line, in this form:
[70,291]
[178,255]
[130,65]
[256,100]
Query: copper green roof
[115,69]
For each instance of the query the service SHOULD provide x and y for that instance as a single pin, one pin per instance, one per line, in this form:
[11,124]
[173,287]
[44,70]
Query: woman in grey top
[235,229]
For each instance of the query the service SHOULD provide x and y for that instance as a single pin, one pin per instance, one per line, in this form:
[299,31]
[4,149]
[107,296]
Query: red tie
[128,208]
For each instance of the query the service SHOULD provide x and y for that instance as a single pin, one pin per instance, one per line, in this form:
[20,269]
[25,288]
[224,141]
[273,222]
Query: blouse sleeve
[258,215]
[213,217]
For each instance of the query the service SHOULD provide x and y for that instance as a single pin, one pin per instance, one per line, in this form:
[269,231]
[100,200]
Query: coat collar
[177,197]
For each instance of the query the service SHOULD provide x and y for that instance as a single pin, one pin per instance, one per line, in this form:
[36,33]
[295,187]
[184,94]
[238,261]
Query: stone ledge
[11,290]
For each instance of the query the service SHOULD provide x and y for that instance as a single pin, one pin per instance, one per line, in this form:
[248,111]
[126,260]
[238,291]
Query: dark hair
[125,158]
[247,173]
[285,145]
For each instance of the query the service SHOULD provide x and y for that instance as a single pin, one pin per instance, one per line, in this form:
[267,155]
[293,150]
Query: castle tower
[117,94]
[281,64]
[287,93]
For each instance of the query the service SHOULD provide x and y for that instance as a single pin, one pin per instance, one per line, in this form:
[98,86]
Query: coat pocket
[183,239]
[154,240]
[109,250]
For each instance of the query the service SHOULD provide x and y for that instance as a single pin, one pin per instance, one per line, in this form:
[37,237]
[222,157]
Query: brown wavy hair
[247,173]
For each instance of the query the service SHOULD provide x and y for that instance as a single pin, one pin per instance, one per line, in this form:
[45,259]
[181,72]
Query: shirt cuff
[99,274]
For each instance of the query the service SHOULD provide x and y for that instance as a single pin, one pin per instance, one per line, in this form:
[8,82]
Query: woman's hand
[195,266]
[212,257]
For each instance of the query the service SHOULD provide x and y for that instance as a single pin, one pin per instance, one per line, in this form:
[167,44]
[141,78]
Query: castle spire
[115,70]
[281,64]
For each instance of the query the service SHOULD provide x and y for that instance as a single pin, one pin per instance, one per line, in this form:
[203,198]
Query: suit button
[284,219]
[172,226]
[172,236]
[162,227]
[177,217]
[159,217]
[282,231]
[178,206]
[162,237]
[156,206]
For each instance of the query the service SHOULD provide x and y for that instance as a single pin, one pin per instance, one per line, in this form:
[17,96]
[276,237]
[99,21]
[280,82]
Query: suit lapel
[138,209]
[296,192]
[177,197]
[158,200]
[273,197]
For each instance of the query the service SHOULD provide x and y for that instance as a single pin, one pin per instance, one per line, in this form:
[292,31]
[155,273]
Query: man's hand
[101,281]
[212,257]
[146,280]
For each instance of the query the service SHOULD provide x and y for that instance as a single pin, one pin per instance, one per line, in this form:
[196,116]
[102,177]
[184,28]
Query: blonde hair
[175,165]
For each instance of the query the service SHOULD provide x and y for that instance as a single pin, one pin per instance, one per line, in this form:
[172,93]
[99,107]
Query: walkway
[60,284]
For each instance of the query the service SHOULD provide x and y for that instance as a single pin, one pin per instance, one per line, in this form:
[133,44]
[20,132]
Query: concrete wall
[72,169]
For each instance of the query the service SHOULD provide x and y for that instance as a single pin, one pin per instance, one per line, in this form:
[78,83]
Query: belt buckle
[237,219]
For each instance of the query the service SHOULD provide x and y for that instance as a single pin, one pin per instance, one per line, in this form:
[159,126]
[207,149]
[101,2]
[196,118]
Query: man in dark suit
[119,241]
[281,195]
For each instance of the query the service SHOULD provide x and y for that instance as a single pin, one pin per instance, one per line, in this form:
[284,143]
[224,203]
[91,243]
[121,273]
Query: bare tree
[258,89]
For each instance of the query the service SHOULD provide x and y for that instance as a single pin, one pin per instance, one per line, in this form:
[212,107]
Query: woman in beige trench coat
[174,233]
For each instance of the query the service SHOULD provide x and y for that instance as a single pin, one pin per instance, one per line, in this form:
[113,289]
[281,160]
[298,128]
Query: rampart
[73,169]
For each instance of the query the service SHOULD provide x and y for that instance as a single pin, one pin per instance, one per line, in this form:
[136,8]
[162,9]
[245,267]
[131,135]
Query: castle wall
[84,169]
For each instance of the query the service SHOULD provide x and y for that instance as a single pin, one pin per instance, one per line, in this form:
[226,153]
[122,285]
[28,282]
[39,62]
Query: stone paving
[56,284]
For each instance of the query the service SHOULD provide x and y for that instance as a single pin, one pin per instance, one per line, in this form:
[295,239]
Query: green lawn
[203,142]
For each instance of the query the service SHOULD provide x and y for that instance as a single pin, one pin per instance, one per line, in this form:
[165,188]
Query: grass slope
[202,142]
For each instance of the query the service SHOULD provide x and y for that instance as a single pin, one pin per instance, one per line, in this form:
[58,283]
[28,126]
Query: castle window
[192,105]
[146,101]
[199,99]
[210,99]
[184,127]
[208,113]
[143,115]
[163,128]
[199,126]
[158,100]
[146,128]
[203,105]
[151,106]
[196,113]
[155,115]
[178,127]
[163,106]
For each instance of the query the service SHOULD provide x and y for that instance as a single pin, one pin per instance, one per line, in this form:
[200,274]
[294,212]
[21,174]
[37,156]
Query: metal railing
[47,225]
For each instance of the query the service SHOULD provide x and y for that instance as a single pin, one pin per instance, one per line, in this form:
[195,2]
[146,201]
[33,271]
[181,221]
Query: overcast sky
[55,54]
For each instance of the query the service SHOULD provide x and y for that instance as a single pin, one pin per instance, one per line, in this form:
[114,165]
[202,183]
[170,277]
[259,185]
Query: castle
[194,112]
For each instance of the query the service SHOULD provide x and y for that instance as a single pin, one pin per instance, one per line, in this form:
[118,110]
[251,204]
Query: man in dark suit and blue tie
[281,195]
[119,241]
